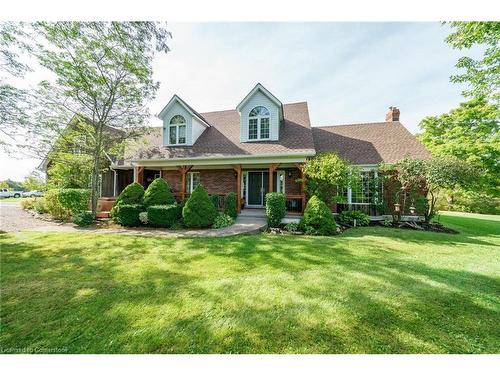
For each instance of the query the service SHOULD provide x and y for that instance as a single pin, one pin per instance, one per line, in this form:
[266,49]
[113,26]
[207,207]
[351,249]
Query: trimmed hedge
[54,206]
[275,209]
[318,218]
[163,216]
[158,193]
[75,200]
[199,211]
[230,205]
[347,218]
[128,214]
[132,194]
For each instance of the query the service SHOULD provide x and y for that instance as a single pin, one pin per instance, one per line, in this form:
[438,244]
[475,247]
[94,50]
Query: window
[193,180]
[177,130]
[252,128]
[258,123]
[367,191]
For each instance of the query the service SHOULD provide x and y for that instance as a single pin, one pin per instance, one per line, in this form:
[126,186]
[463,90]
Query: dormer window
[177,130]
[258,123]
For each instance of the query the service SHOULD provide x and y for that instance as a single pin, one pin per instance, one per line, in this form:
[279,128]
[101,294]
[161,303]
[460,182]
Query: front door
[255,189]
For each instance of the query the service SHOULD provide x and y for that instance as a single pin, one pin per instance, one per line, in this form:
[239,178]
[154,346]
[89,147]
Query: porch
[250,182]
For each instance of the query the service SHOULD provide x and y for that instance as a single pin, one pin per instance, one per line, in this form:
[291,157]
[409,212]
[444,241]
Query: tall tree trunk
[94,193]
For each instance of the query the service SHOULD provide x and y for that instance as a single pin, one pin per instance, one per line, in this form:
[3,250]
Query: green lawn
[370,290]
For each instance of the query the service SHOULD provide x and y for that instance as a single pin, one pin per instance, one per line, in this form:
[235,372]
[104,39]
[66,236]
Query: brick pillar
[302,185]
[237,169]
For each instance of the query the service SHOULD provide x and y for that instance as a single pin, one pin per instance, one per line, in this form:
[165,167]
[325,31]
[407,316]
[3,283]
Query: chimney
[393,114]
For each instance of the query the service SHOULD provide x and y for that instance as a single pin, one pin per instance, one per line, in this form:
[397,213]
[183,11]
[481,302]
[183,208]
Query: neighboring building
[258,147]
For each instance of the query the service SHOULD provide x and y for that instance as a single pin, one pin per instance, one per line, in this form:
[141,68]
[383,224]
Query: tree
[103,74]
[33,182]
[428,177]
[14,102]
[482,75]
[327,176]
[470,132]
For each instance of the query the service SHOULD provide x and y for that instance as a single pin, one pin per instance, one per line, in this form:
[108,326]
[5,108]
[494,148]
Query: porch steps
[102,214]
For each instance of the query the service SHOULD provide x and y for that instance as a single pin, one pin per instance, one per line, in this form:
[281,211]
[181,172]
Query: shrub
[158,193]
[199,212]
[215,200]
[318,219]
[275,209]
[143,217]
[74,200]
[41,206]
[128,214]
[83,218]
[163,216]
[28,203]
[386,223]
[347,218]
[132,194]
[54,206]
[222,221]
[230,205]
[292,227]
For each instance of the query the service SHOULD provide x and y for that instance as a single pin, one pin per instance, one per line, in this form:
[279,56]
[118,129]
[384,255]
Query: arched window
[177,130]
[258,123]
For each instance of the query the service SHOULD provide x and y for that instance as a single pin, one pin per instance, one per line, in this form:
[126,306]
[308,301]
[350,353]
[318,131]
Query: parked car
[6,193]
[32,193]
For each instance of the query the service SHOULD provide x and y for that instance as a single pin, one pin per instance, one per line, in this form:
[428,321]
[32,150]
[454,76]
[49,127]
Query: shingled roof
[369,143]
[223,138]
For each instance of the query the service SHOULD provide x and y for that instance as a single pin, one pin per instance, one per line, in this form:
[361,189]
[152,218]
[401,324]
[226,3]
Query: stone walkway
[14,219]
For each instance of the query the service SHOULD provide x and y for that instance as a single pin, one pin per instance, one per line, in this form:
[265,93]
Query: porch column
[302,185]
[184,169]
[139,175]
[272,168]
[237,169]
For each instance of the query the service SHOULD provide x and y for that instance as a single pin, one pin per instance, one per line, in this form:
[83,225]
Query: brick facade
[220,181]
[291,184]
[174,179]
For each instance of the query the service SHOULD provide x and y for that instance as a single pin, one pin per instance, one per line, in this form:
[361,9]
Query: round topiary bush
[275,209]
[318,219]
[158,193]
[230,205]
[132,194]
[199,211]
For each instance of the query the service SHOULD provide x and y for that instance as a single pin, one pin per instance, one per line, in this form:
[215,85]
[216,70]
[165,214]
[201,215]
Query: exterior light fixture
[397,207]
[412,210]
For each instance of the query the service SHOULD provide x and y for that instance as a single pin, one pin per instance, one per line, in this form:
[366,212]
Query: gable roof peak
[266,92]
[176,98]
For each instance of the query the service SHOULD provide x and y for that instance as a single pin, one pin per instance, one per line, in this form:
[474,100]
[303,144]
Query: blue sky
[347,72]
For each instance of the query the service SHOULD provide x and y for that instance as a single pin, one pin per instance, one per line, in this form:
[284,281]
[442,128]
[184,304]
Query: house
[258,147]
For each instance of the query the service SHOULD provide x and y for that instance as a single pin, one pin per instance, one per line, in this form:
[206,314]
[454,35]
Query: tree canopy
[328,176]
[482,75]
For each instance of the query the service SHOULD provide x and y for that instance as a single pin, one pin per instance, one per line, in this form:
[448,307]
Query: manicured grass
[370,290]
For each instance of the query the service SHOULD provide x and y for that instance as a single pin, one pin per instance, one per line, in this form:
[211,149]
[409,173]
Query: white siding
[178,109]
[198,128]
[259,99]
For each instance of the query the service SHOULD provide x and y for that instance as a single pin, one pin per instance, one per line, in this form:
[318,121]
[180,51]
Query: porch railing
[294,203]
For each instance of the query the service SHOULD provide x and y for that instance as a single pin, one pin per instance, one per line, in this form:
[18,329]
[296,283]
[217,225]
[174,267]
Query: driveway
[14,219]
